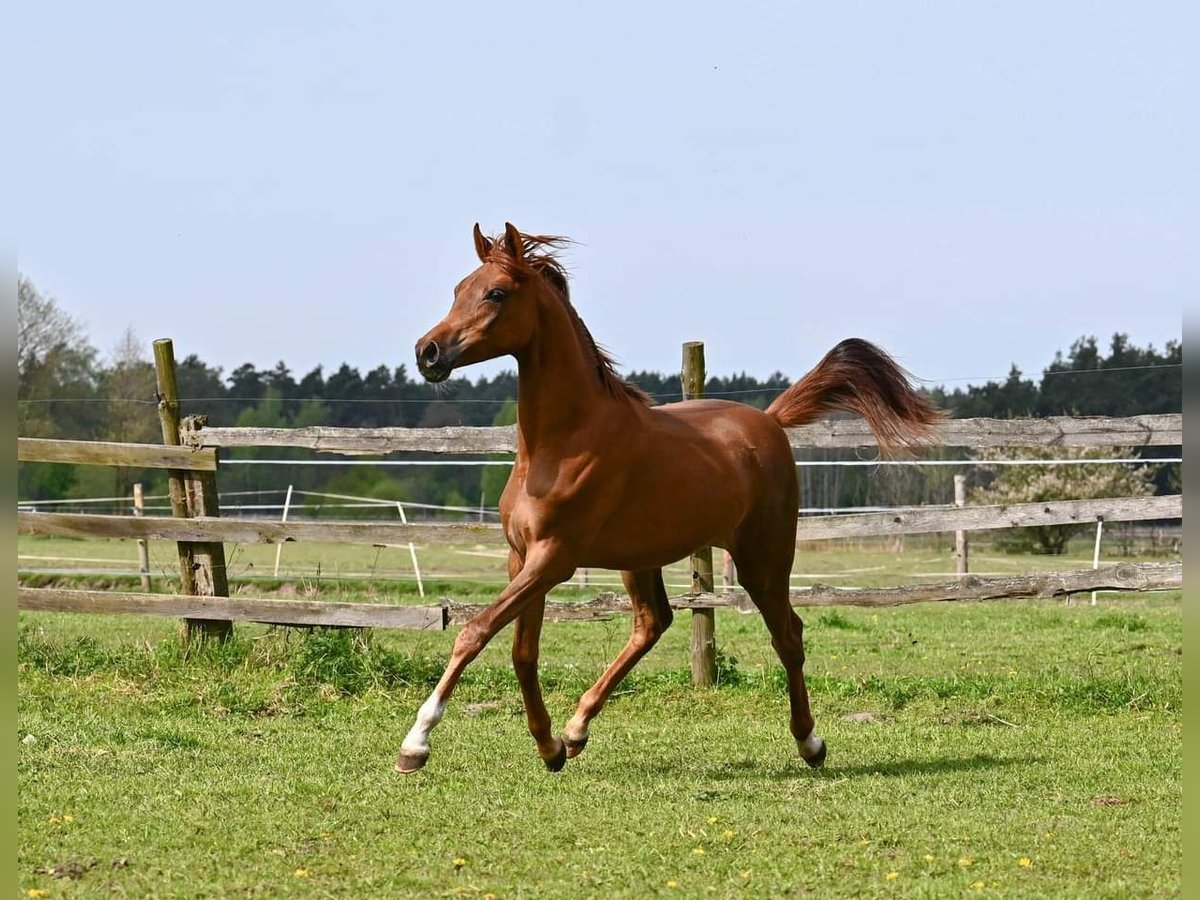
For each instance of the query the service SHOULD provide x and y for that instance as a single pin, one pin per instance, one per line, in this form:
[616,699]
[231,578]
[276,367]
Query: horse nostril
[430,354]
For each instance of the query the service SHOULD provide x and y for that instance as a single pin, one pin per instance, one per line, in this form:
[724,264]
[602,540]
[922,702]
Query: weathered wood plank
[357,441]
[247,531]
[1123,577]
[912,520]
[111,453]
[1053,431]
[927,519]
[274,612]
[1063,431]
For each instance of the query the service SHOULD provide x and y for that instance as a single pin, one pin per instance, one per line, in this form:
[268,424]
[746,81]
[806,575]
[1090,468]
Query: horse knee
[470,641]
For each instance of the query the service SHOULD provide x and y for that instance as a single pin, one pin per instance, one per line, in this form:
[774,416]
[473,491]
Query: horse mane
[538,259]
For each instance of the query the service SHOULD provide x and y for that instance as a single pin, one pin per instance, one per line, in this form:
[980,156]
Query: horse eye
[496,295]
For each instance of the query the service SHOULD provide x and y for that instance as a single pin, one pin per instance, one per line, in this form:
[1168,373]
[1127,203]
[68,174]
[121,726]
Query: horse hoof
[409,761]
[817,759]
[574,748]
[558,760]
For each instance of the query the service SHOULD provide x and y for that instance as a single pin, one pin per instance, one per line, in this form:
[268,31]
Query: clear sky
[969,184]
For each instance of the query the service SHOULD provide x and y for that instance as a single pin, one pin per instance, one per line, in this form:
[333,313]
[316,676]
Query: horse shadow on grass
[748,769]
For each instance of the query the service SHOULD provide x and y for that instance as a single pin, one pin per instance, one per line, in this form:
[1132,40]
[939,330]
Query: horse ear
[483,247]
[516,244]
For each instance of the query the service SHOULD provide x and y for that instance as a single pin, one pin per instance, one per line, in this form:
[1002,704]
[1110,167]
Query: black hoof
[408,762]
[817,759]
[558,760]
[574,748]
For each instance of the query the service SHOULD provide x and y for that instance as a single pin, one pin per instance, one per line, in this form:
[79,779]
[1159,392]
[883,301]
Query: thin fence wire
[805,463]
[671,396]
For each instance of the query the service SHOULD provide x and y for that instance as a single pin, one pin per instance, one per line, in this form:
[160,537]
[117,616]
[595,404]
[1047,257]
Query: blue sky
[971,185]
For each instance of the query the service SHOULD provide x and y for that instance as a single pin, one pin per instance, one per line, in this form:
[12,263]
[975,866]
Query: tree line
[66,388]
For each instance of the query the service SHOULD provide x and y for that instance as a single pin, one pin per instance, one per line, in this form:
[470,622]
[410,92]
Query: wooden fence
[190,454]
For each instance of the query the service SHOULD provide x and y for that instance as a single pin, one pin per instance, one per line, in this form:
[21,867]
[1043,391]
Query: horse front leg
[544,567]
[527,634]
[651,617]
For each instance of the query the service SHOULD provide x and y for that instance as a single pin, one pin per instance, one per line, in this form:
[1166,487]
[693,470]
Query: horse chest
[547,498]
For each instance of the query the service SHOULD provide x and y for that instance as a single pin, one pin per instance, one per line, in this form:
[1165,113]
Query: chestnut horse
[604,480]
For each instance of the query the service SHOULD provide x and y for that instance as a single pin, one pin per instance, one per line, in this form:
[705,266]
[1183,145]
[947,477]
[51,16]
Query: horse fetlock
[812,750]
[575,737]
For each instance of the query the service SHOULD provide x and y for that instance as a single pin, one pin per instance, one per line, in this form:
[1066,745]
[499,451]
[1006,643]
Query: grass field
[1019,749]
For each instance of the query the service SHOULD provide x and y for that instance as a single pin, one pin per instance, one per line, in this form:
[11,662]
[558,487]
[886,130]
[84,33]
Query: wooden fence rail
[235,609]
[911,520]
[1123,577]
[1055,431]
[110,453]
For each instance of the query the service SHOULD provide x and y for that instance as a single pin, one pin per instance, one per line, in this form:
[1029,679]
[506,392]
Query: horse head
[495,308]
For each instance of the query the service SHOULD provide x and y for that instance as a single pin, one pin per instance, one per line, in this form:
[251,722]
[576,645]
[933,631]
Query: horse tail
[858,377]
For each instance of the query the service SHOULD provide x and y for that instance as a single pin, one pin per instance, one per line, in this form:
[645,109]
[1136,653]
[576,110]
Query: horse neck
[558,388]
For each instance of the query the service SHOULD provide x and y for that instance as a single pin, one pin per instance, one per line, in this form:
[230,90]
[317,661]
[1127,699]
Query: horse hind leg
[765,579]
[651,617]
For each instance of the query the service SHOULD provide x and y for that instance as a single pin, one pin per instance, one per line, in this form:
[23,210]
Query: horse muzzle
[434,361]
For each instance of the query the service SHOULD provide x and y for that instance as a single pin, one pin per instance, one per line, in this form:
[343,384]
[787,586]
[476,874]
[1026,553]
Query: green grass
[963,739]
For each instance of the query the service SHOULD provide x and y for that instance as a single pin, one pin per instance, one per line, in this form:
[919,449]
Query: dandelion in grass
[928,857]
[1024,862]
[745,873]
[303,873]
[68,818]
[56,820]
[966,862]
[672,883]
[728,833]
[977,885]
[459,862]
[37,892]
[697,851]
[712,820]
[892,876]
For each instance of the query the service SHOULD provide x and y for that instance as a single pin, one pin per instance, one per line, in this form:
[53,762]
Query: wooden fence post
[201,565]
[960,537]
[143,546]
[704,623]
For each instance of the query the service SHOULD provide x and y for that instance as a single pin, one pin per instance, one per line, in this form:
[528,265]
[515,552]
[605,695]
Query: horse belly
[666,514]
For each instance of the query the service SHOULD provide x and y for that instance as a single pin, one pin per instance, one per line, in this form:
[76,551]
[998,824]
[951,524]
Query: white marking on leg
[810,746]
[430,713]
[576,730]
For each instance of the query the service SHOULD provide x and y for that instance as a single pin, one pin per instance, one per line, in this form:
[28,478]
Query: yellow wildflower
[928,857]
[697,851]
[745,873]
[727,834]
[459,862]
[712,820]
[37,892]
[977,885]
[68,819]
[672,883]
[302,873]
[965,862]
[892,876]
[55,820]
[1024,862]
